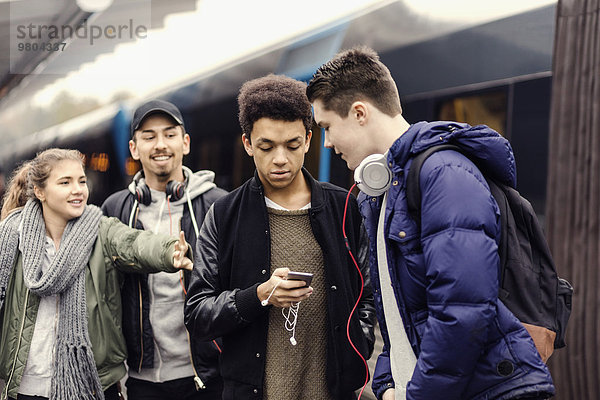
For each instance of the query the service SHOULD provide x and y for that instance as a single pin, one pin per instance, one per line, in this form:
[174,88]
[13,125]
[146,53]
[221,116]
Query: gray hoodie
[172,349]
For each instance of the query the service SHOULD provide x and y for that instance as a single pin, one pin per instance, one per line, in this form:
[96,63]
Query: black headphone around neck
[174,188]
[373,176]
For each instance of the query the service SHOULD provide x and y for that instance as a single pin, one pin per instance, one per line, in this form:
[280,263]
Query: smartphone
[300,276]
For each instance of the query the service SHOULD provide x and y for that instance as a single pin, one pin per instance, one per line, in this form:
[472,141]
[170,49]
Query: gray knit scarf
[75,375]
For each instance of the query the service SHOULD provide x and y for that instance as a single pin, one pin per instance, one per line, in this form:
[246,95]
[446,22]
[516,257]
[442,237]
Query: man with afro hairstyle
[282,339]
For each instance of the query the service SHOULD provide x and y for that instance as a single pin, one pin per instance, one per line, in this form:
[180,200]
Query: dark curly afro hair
[276,97]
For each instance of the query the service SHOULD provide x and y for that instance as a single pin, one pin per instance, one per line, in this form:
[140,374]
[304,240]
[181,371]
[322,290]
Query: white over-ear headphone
[373,176]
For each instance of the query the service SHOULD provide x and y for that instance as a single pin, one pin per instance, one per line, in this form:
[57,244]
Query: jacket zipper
[5,394]
[131,225]
[141,328]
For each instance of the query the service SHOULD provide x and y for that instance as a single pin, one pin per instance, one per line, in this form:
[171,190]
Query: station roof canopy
[42,40]
[390,27]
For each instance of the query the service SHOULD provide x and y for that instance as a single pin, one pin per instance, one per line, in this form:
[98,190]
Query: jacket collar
[316,191]
[399,152]
[490,151]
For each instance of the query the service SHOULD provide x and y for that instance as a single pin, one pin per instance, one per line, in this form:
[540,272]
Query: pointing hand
[180,261]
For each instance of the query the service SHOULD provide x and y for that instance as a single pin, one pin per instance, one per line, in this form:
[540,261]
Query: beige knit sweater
[297,372]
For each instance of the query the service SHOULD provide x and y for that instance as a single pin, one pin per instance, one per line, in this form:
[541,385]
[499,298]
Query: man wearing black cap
[164,197]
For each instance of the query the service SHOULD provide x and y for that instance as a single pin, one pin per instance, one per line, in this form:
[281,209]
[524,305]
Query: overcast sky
[223,30]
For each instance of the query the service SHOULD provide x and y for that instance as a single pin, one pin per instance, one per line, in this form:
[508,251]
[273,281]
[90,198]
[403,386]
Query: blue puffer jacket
[445,278]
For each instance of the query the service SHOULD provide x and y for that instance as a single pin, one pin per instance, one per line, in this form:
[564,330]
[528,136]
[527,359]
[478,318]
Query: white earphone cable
[291,319]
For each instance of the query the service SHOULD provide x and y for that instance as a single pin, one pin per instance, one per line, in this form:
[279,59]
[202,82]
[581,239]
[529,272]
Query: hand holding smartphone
[300,276]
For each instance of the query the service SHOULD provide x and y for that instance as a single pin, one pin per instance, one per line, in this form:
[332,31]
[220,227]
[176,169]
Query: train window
[132,166]
[487,108]
[98,162]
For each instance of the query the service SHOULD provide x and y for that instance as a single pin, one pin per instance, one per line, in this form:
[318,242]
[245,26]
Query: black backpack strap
[413,187]
[503,206]
[413,198]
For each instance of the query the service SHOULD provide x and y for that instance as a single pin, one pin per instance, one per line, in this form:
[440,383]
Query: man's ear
[186,144]
[359,111]
[133,150]
[247,145]
[307,142]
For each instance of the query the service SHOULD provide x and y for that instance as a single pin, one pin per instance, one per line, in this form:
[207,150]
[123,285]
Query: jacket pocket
[403,229]
[419,320]
[406,253]
[497,364]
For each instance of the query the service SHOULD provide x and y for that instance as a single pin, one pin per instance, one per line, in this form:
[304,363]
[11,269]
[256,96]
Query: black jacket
[234,258]
[135,296]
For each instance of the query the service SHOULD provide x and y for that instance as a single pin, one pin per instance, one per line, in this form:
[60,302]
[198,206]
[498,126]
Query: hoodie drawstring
[133,211]
[189,203]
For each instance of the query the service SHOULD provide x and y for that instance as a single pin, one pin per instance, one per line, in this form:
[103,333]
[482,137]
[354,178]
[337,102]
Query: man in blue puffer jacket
[459,341]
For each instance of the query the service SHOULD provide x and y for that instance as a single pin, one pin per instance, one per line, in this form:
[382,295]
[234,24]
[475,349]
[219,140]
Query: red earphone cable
[170,217]
[181,281]
[362,283]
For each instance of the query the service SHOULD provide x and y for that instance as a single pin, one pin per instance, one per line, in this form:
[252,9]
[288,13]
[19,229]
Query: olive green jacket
[118,248]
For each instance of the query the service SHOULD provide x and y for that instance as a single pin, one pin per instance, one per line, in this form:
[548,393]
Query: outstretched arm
[133,250]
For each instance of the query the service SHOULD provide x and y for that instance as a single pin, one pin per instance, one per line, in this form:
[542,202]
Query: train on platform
[496,73]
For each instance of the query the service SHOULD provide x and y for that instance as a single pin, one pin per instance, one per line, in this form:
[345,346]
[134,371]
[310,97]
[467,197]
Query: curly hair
[353,75]
[276,97]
